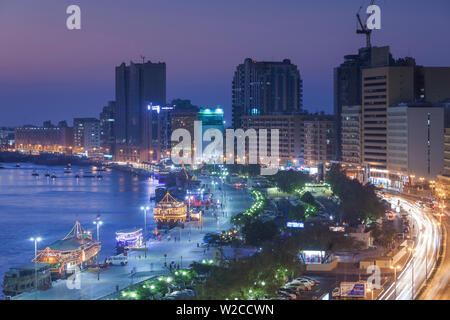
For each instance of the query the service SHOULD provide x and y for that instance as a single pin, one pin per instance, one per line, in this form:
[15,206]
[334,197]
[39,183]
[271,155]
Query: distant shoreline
[45,159]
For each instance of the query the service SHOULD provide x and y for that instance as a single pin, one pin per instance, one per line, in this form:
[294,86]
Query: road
[439,288]
[426,236]
[183,252]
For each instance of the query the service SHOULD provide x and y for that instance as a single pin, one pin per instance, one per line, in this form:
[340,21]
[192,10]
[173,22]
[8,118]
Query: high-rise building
[261,88]
[347,82]
[385,87]
[86,135]
[351,135]
[415,143]
[211,118]
[443,180]
[140,93]
[319,140]
[291,134]
[6,138]
[107,138]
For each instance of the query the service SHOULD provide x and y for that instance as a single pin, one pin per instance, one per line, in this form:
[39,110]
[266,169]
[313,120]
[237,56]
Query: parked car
[117,260]
[304,281]
[314,281]
[301,285]
[285,294]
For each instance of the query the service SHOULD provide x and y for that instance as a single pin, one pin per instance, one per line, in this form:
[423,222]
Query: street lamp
[371,291]
[36,240]
[98,223]
[189,212]
[145,209]
[412,272]
[395,277]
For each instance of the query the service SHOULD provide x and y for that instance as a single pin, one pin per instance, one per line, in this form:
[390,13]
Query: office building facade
[86,135]
[415,143]
[261,88]
[351,135]
[140,93]
[291,134]
[348,82]
[107,138]
[319,146]
[47,138]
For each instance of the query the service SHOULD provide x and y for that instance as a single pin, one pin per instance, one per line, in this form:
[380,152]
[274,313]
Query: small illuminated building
[76,248]
[169,211]
[318,260]
[127,239]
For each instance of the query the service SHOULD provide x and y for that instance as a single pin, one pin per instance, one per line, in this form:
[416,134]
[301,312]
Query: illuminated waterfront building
[47,138]
[86,135]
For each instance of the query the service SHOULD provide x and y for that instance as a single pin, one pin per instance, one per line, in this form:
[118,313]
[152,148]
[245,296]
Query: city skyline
[71,74]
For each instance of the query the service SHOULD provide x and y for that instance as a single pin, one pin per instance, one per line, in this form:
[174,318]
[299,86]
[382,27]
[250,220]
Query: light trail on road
[423,257]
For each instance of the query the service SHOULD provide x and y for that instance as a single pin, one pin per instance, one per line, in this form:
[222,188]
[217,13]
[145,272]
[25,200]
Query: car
[304,286]
[304,281]
[288,295]
[117,260]
[290,290]
[314,281]
[283,297]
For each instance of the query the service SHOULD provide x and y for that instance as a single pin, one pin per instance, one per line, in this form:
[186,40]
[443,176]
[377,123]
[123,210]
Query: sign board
[353,289]
[337,228]
[297,225]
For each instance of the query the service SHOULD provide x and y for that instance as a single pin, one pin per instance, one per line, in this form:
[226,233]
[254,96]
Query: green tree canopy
[297,213]
[357,202]
[288,181]
[258,233]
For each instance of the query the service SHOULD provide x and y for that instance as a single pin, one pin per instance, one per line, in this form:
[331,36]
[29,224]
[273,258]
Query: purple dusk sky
[49,72]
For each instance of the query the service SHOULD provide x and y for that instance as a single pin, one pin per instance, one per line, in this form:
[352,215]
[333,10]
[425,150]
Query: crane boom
[364,29]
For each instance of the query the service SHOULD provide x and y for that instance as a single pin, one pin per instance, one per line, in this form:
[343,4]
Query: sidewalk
[184,251]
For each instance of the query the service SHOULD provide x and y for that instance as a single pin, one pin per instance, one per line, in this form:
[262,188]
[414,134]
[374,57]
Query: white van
[119,260]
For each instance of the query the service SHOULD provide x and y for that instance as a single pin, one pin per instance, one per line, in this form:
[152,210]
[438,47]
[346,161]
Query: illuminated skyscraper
[261,88]
[138,86]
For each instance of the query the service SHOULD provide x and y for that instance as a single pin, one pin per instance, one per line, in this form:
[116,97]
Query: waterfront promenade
[183,252]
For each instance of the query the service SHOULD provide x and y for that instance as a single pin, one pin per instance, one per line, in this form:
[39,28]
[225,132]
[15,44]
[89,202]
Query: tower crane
[364,29]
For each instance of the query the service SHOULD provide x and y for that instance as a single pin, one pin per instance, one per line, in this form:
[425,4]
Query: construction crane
[364,29]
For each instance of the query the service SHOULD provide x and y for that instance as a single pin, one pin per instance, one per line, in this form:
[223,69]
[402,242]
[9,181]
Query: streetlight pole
[145,209]
[36,240]
[98,223]
[412,272]
[189,212]
[395,277]
[426,261]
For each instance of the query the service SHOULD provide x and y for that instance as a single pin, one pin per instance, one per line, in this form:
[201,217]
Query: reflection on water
[41,206]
